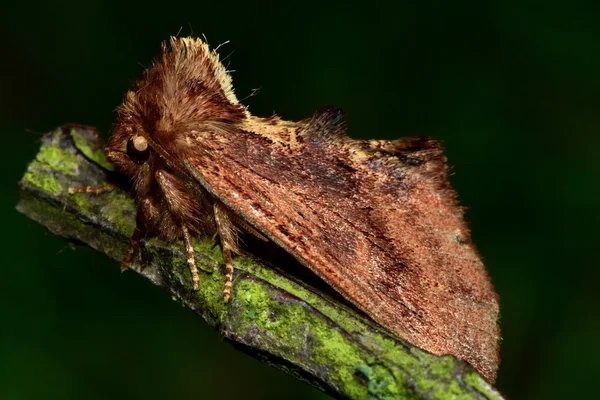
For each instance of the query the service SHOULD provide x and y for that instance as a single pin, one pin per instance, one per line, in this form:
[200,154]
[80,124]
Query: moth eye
[138,149]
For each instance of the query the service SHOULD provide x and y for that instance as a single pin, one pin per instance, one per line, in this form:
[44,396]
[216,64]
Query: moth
[375,219]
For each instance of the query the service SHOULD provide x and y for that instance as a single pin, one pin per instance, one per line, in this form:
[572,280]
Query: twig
[277,318]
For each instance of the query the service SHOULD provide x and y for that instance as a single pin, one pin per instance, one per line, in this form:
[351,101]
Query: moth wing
[375,219]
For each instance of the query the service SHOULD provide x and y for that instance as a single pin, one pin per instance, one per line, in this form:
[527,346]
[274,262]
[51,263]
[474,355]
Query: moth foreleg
[190,257]
[115,155]
[228,235]
[92,189]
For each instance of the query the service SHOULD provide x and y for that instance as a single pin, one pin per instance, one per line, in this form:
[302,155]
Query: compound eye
[138,149]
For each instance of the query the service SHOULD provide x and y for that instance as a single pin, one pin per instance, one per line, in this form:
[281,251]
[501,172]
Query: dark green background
[512,90]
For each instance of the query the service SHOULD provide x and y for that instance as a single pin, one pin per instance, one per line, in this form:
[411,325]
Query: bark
[297,327]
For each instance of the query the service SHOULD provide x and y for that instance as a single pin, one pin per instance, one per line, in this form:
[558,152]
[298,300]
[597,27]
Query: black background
[513,90]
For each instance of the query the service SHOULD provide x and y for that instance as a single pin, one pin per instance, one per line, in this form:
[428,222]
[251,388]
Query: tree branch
[272,316]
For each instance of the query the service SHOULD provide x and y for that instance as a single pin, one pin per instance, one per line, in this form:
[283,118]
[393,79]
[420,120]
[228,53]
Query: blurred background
[513,90]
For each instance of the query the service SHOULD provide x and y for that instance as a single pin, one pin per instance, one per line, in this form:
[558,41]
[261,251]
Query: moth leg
[228,235]
[190,257]
[104,188]
[133,245]
[92,189]
[251,230]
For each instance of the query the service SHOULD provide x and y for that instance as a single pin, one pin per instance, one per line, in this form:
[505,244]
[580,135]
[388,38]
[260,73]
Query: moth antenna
[189,249]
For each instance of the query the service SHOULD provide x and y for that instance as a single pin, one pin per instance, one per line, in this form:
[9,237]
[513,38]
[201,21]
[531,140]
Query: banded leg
[92,189]
[228,273]
[228,235]
[190,257]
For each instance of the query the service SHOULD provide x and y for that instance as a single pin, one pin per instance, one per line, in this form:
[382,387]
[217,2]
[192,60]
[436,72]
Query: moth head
[186,89]
[132,155]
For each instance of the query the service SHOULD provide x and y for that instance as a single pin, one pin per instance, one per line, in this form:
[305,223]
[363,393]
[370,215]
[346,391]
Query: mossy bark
[273,316]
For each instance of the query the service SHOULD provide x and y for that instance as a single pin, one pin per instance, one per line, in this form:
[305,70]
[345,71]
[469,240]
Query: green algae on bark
[273,316]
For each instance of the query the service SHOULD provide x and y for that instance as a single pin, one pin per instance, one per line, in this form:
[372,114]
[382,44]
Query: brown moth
[376,219]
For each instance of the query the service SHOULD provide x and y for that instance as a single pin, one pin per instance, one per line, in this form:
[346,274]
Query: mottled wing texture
[375,219]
